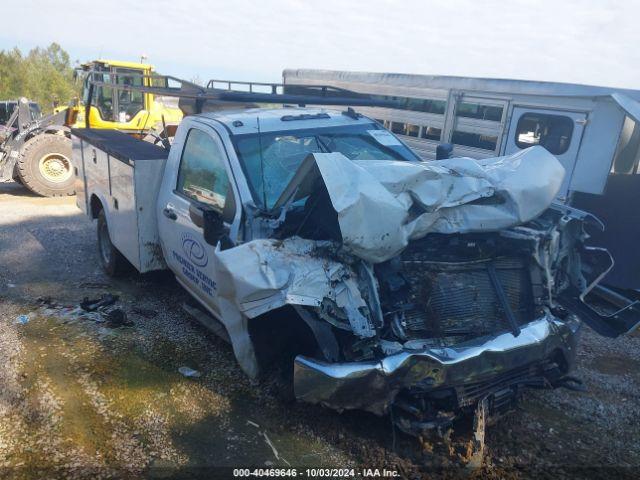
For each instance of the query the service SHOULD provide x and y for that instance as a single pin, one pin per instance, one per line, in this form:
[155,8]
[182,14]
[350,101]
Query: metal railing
[197,96]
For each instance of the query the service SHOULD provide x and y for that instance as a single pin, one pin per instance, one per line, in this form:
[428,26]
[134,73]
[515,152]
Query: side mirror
[444,150]
[211,222]
[196,215]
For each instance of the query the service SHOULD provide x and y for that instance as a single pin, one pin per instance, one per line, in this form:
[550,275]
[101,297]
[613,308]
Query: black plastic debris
[104,301]
[100,310]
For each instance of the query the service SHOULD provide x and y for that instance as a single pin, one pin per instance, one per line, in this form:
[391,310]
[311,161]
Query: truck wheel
[45,165]
[112,261]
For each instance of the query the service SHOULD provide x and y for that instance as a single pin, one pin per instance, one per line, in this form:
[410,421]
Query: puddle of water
[120,406]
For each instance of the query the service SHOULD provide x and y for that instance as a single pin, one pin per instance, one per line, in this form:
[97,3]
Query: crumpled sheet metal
[265,274]
[382,205]
[340,385]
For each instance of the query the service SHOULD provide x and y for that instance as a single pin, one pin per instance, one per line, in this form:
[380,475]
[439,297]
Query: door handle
[169,213]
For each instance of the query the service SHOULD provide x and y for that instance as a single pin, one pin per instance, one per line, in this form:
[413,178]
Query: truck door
[202,179]
[558,132]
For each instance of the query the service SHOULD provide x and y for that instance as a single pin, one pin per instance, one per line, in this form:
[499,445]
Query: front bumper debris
[374,385]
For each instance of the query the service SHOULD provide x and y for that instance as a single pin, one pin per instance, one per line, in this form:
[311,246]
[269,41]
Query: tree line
[44,75]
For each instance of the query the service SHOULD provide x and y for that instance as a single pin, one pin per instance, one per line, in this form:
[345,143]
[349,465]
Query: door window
[553,132]
[34,110]
[479,111]
[474,140]
[104,97]
[129,103]
[202,175]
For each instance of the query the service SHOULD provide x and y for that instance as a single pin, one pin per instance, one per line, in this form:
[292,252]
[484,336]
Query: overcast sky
[588,41]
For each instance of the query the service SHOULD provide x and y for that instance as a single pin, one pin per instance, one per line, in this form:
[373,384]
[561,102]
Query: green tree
[44,75]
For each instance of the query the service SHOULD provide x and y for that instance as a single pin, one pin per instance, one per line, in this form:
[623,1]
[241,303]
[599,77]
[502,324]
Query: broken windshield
[271,159]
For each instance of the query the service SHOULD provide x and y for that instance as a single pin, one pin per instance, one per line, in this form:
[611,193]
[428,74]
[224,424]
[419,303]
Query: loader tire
[45,165]
[112,261]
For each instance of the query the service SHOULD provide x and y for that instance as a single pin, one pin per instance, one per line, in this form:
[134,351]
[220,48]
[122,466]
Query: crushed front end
[429,288]
[465,318]
[430,387]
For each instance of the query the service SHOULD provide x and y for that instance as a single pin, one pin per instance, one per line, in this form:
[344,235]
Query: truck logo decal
[194,250]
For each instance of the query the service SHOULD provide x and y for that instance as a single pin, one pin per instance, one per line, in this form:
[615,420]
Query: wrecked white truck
[317,238]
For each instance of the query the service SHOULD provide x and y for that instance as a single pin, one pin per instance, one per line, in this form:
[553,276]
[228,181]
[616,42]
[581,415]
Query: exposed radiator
[460,300]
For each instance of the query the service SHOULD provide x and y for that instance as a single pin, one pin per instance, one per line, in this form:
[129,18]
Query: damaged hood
[382,205]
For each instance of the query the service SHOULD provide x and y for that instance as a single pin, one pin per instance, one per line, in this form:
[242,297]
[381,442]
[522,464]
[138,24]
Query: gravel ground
[79,399]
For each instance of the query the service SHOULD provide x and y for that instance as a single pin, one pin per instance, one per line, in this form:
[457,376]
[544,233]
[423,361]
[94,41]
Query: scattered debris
[268,442]
[105,300]
[189,372]
[475,451]
[273,448]
[22,319]
[100,310]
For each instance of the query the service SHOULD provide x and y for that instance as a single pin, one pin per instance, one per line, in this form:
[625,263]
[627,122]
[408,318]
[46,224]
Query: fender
[57,130]
[103,201]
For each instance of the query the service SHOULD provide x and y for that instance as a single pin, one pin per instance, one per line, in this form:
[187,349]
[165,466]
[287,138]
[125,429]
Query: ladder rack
[194,97]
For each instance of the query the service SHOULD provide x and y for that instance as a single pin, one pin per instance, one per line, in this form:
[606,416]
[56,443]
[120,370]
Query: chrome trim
[372,386]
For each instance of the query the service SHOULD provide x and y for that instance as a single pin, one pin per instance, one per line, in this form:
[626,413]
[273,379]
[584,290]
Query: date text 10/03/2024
[316,472]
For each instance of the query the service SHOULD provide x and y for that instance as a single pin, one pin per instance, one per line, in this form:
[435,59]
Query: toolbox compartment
[123,174]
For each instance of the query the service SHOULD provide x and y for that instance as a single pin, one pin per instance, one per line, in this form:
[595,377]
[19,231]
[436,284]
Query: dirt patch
[615,365]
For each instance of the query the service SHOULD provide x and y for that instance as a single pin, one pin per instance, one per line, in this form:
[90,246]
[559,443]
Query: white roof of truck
[245,121]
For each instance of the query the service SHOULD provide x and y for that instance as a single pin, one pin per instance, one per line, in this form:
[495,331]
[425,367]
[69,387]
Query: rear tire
[45,165]
[112,261]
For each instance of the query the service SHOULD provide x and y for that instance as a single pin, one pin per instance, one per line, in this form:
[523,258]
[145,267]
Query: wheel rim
[104,243]
[55,167]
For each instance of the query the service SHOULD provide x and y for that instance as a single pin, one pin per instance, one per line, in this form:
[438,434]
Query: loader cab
[114,108]
[8,107]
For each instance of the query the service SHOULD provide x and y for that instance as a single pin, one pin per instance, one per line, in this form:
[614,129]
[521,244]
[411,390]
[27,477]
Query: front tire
[45,165]
[112,261]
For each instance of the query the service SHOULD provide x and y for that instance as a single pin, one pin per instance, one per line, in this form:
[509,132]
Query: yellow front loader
[37,152]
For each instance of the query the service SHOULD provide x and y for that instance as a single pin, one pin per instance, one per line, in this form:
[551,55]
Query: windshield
[271,159]
[35,111]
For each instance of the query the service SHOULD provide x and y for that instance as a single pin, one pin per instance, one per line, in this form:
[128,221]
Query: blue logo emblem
[194,250]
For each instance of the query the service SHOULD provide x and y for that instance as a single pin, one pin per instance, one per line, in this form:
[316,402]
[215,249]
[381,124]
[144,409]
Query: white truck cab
[204,171]
[151,205]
